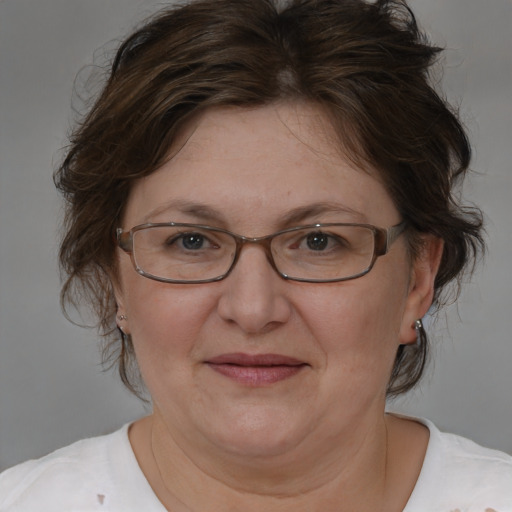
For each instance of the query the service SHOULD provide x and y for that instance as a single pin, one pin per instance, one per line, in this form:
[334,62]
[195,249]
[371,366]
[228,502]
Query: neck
[352,477]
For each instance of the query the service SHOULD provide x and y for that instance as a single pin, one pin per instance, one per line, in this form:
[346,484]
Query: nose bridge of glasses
[263,241]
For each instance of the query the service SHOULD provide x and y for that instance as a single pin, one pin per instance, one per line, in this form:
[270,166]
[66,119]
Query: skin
[318,440]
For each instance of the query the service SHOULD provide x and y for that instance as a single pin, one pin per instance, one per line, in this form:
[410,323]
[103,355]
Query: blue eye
[192,241]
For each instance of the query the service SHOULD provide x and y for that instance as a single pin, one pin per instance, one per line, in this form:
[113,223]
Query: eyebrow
[198,210]
[295,216]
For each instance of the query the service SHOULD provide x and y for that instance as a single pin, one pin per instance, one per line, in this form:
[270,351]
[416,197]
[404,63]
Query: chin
[258,433]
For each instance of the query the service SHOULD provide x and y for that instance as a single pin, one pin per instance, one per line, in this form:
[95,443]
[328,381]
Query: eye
[191,242]
[321,242]
[317,241]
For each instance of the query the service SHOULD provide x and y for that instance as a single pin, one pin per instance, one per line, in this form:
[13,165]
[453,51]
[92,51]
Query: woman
[261,210]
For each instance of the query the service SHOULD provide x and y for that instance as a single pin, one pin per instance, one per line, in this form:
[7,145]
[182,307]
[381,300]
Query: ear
[421,287]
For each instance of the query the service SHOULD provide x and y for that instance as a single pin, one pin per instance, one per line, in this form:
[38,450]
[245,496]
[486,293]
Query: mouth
[256,370]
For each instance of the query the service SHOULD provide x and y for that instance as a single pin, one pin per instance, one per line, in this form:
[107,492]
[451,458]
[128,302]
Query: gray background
[52,388]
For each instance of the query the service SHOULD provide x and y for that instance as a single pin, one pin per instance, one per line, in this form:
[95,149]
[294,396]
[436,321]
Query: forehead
[267,161]
[295,123]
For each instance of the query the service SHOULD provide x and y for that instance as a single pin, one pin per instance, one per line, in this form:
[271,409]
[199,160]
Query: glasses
[318,253]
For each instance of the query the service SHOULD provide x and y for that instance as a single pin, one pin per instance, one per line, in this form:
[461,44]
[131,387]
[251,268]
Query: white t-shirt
[102,475]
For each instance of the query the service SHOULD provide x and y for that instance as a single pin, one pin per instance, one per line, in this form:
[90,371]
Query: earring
[120,318]
[421,335]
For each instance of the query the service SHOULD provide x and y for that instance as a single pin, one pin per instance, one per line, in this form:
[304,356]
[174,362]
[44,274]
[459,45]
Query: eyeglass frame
[383,239]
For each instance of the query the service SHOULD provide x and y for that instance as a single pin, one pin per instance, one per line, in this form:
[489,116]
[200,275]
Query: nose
[253,294]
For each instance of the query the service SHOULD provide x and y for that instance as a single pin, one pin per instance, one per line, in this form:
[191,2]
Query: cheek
[164,319]
[356,325]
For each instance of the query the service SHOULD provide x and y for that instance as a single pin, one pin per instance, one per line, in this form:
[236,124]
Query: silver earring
[122,317]
[421,335]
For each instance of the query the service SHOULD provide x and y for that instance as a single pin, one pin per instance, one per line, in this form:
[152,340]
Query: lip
[256,369]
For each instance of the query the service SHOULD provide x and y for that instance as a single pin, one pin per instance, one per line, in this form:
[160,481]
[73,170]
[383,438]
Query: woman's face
[250,171]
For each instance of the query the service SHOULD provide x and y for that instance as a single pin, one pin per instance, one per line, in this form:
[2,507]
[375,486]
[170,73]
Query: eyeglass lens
[192,253]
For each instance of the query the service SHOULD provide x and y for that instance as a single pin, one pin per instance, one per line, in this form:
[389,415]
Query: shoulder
[77,477]
[458,474]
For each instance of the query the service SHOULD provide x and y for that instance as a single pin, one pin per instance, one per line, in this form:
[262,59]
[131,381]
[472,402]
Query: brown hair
[365,64]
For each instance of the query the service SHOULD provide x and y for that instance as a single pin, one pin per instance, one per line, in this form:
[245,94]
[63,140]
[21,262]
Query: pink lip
[256,370]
